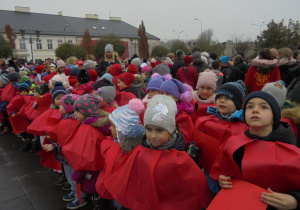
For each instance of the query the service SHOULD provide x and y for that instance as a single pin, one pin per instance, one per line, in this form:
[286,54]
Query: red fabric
[82,149]
[142,114]
[210,134]
[124,97]
[115,69]
[127,78]
[67,71]
[39,68]
[19,123]
[63,130]
[8,93]
[15,104]
[93,75]
[201,111]
[87,88]
[158,179]
[47,158]
[243,195]
[109,109]
[256,81]
[73,80]
[266,164]
[132,69]
[115,82]
[292,124]
[184,122]
[188,75]
[113,155]
[49,76]
[47,119]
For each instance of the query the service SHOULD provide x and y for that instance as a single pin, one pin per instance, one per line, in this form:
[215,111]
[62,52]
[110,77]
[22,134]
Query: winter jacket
[199,64]
[242,69]
[104,63]
[177,64]
[188,75]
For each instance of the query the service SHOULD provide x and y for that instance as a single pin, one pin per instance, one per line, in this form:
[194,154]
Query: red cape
[123,98]
[186,126]
[158,179]
[266,164]
[200,111]
[8,93]
[291,123]
[47,158]
[113,155]
[82,149]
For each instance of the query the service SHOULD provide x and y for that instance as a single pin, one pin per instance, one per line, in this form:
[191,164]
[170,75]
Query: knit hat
[101,83]
[11,69]
[115,69]
[235,91]
[89,64]
[133,69]
[42,88]
[127,78]
[88,105]
[93,75]
[146,69]
[126,118]
[13,76]
[25,79]
[108,93]
[23,86]
[180,54]
[175,88]
[57,90]
[83,76]
[136,61]
[207,78]
[60,63]
[67,101]
[67,71]
[224,59]
[109,48]
[24,72]
[39,68]
[108,77]
[74,71]
[161,112]
[156,81]
[188,59]
[3,80]
[168,61]
[197,55]
[277,90]
[48,77]
[271,100]
[162,69]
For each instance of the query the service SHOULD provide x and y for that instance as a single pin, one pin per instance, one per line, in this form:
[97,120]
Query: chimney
[60,13]
[115,18]
[22,9]
[91,16]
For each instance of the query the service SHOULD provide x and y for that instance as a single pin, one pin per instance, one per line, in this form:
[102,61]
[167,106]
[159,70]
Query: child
[240,158]
[142,180]
[188,73]
[204,96]
[181,94]
[215,68]
[146,71]
[84,85]
[125,81]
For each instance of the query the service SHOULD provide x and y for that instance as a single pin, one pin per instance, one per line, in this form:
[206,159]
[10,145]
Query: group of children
[176,148]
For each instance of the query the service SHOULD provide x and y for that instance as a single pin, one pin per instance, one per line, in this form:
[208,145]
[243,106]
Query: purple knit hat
[175,88]
[156,81]
[67,101]
[88,105]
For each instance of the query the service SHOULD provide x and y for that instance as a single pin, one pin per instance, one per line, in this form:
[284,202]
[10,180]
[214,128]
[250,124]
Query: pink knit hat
[207,78]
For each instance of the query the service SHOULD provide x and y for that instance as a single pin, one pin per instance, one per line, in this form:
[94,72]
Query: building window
[39,44]
[22,44]
[70,41]
[59,42]
[49,43]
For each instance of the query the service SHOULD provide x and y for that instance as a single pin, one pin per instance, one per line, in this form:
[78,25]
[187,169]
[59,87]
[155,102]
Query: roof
[54,25]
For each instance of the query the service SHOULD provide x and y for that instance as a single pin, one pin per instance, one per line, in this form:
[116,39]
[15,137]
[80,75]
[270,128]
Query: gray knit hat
[136,61]
[109,48]
[161,111]
[13,76]
[108,93]
[277,90]
[3,80]
[162,69]
[89,64]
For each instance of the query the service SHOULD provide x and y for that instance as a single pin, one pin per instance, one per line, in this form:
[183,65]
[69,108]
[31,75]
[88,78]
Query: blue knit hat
[57,90]
[155,83]
[224,59]
[23,86]
[74,71]
[271,100]
[173,87]
[108,77]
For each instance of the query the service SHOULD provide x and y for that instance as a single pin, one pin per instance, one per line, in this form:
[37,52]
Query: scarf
[233,117]
[171,142]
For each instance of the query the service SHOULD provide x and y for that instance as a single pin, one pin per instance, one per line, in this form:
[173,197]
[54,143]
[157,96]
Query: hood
[184,106]
[264,66]
[292,113]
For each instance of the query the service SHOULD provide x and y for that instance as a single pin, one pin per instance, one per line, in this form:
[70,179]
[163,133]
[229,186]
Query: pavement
[24,185]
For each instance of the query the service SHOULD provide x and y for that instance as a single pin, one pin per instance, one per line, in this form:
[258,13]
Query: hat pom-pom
[136,105]
[168,77]
[187,95]
[155,75]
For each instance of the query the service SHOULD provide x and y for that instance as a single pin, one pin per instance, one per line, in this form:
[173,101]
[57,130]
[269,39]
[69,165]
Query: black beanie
[101,83]
[271,100]
[13,76]
[57,90]
[83,76]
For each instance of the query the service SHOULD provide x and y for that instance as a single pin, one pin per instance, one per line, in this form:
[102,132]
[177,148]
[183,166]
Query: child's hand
[47,147]
[279,200]
[224,182]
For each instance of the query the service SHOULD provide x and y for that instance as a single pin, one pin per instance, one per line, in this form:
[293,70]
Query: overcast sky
[163,17]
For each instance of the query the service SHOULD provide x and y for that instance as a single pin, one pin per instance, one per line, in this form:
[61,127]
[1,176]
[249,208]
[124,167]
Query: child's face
[121,85]
[62,110]
[225,105]
[79,116]
[57,100]
[52,69]
[205,92]
[113,130]
[157,136]
[23,93]
[167,94]
[259,115]
[152,93]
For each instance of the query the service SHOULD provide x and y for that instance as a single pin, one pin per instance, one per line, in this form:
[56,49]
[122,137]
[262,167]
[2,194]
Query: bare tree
[241,44]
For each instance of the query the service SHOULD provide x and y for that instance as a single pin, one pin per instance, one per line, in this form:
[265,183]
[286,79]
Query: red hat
[127,78]
[48,77]
[188,59]
[67,71]
[115,70]
[133,69]
[39,68]
[79,62]
[93,75]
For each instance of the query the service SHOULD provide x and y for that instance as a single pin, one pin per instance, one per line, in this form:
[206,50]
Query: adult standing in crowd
[178,62]
[108,60]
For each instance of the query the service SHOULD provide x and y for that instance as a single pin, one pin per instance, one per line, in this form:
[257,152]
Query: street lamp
[134,43]
[30,40]
[259,25]
[65,31]
[200,22]
[178,33]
